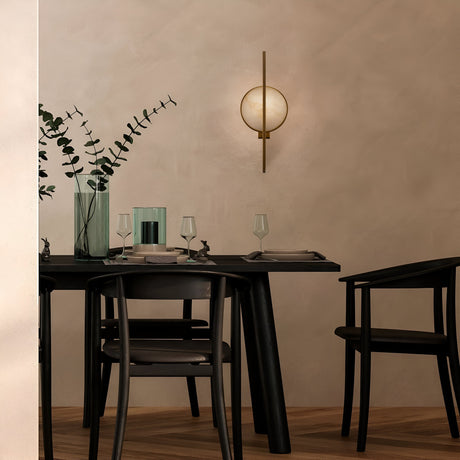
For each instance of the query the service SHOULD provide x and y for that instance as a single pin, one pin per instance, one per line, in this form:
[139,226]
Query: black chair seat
[396,340]
[154,328]
[167,351]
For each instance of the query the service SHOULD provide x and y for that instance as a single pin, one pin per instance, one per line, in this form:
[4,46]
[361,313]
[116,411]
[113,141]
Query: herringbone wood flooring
[173,434]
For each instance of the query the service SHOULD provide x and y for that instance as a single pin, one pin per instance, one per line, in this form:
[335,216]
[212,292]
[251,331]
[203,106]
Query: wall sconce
[264,109]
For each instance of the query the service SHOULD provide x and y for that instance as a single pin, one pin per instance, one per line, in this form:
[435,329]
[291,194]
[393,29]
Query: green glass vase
[91,217]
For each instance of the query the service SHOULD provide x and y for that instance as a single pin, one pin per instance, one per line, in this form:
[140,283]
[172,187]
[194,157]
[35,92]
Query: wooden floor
[171,434]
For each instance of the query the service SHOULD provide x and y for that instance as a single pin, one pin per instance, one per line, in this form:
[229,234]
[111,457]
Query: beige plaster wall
[19,231]
[364,170]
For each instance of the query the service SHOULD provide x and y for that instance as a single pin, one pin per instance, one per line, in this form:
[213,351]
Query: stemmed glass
[260,227]
[188,231]
[124,229]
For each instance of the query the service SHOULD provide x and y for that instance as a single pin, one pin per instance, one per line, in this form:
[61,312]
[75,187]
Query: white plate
[288,256]
[286,251]
[131,253]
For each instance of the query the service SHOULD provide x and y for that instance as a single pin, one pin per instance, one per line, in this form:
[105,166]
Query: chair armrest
[403,272]
[428,278]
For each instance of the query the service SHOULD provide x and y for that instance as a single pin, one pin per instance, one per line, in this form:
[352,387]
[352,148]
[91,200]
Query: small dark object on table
[46,253]
[202,254]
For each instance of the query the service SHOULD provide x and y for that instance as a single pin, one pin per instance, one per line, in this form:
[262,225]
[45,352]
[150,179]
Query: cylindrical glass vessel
[91,217]
[149,229]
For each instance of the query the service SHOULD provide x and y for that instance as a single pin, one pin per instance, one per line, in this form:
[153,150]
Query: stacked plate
[287,254]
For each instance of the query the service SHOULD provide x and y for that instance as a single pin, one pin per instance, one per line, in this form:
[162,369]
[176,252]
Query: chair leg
[349,388]
[218,392]
[45,332]
[447,394]
[364,400]
[455,374]
[236,381]
[193,397]
[122,412]
[94,422]
[213,406]
[87,364]
[106,371]
[93,369]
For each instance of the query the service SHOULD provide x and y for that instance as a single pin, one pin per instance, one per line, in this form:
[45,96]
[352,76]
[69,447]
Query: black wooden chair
[46,286]
[181,327]
[436,274]
[165,357]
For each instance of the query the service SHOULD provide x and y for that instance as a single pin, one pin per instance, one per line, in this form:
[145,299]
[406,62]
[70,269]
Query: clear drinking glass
[260,227]
[188,231]
[124,229]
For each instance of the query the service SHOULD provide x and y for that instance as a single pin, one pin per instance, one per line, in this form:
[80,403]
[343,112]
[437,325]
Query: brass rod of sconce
[264,113]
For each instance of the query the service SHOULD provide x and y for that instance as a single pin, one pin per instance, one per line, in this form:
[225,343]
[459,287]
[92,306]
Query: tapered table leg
[264,346]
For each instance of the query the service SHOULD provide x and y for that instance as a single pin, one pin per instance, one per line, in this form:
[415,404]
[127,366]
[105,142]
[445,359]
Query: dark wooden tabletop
[72,274]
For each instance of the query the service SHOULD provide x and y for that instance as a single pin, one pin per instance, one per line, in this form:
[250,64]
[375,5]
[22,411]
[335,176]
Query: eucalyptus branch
[52,131]
[109,164]
[104,165]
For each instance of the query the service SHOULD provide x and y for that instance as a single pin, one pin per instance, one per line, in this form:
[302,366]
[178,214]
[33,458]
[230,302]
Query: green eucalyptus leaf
[146,115]
[75,159]
[139,123]
[96,172]
[101,161]
[116,165]
[67,163]
[50,188]
[69,174]
[63,141]
[68,150]
[107,169]
[42,155]
[111,151]
[78,171]
[128,138]
[121,146]
[47,116]
[42,173]
[91,183]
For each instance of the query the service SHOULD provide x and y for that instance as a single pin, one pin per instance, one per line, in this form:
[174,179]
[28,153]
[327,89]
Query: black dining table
[266,387]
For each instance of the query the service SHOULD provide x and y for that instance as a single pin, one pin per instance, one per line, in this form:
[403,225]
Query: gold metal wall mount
[264,109]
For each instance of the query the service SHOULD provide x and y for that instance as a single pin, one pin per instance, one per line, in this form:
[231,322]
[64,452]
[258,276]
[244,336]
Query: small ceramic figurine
[202,254]
[46,250]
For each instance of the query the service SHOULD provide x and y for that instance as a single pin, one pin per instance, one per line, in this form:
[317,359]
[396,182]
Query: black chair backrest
[177,284]
[430,273]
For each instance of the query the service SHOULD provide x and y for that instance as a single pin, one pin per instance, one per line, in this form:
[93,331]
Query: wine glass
[188,231]
[124,229]
[260,227]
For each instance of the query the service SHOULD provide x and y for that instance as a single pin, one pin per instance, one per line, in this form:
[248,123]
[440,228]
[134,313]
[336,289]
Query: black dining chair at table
[46,286]
[183,326]
[436,275]
[147,357]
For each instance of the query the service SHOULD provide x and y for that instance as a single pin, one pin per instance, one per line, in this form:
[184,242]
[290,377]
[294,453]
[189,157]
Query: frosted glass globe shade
[275,111]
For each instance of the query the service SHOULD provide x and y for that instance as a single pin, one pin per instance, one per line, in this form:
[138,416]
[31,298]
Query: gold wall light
[264,109]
